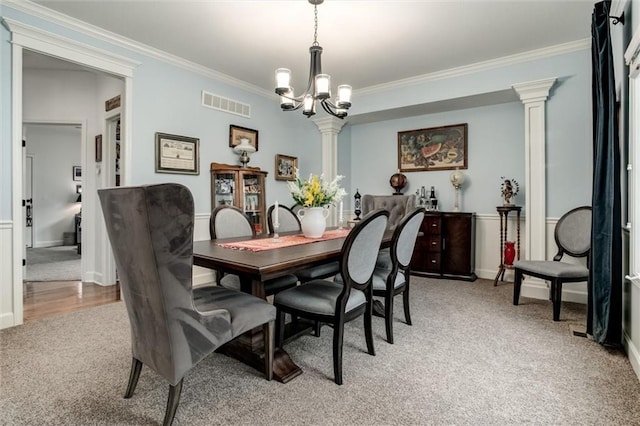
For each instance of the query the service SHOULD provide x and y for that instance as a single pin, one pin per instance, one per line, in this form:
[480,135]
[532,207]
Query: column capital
[534,91]
[329,124]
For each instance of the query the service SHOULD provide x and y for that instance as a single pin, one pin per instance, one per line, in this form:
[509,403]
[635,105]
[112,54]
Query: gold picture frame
[435,148]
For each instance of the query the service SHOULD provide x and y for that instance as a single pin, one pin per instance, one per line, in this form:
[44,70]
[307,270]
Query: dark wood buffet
[446,246]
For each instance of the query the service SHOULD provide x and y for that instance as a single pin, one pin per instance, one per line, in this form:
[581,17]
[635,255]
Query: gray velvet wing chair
[173,326]
[573,237]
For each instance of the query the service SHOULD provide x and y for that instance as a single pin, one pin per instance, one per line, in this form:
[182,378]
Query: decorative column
[533,95]
[329,128]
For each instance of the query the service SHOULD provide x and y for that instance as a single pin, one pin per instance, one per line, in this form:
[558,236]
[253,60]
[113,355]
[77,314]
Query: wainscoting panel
[6,275]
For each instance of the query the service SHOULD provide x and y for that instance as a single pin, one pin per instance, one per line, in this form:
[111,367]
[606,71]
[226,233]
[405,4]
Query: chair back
[404,238]
[360,251]
[229,222]
[289,222]
[151,233]
[397,206]
[573,233]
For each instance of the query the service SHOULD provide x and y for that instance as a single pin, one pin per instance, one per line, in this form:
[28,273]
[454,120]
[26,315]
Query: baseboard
[633,354]
[7,320]
[53,243]
[202,276]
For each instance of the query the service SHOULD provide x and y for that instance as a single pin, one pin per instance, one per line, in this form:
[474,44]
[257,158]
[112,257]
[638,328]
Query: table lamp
[457,179]
[244,149]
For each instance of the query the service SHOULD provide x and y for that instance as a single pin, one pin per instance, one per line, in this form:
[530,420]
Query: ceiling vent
[221,103]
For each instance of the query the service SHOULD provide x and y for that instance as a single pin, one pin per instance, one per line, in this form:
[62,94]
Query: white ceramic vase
[313,220]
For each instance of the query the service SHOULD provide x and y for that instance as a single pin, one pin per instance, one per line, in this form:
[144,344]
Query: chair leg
[388,317]
[134,375]
[405,304]
[279,328]
[172,403]
[338,334]
[517,283]
[268,334]
[368,329]
[316,328]
[556,288]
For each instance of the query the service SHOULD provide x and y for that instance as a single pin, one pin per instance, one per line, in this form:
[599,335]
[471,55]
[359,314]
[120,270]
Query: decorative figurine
[508,189]
[357,205]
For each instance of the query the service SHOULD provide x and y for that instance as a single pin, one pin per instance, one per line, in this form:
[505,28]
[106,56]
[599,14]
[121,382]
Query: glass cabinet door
[224,189]
[252,200]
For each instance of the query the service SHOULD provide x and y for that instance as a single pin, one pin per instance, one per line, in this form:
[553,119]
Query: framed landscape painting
[436,148]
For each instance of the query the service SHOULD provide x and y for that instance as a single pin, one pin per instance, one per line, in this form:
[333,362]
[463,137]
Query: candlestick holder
[340,223]
[276,236]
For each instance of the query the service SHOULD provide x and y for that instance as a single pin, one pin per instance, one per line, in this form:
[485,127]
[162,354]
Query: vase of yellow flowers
[315,195]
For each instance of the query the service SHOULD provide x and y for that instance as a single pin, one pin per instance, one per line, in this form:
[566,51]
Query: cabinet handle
[434,225]
[433,261]
[444,244]
[433,243]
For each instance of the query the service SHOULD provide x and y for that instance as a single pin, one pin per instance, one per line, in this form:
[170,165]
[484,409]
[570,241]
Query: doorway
[27,38]
[53,191]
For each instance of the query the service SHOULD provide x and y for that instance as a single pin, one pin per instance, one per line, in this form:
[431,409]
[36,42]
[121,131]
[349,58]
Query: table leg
[249,347]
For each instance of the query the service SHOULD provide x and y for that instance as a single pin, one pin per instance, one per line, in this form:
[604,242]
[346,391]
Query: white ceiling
[366,43]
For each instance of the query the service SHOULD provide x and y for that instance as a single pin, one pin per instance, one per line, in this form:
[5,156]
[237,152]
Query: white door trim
[27,37]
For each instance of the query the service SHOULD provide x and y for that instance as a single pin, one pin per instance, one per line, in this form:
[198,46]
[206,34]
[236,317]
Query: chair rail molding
[329,128]
[533,95]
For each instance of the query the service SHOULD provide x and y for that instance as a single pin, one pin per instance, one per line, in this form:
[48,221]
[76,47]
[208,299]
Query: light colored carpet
[60,263]
[471,358]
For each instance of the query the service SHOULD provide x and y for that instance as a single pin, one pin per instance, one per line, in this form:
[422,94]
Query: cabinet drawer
[432,225]
[434,243]
[432,262]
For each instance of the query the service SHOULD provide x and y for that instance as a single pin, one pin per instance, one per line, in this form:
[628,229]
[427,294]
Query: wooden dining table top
[267,264]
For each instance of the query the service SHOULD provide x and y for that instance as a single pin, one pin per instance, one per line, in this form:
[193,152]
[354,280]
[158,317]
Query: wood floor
[45,299]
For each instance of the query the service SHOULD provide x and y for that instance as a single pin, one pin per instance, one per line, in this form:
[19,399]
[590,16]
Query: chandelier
[319,86]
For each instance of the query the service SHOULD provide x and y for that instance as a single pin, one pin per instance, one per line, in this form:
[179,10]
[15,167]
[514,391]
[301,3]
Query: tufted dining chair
[573,237]
[231,222]
[289,222]
[337,303]
[173,326]
[397,206]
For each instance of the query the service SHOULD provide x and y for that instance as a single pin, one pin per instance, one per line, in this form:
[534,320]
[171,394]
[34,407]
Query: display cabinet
[240,187]
[445,247]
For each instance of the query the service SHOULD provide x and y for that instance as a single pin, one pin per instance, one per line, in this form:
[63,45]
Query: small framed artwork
[237,132]
[177,154]
[77,173]
[286,167]
[98,148]
[436,148]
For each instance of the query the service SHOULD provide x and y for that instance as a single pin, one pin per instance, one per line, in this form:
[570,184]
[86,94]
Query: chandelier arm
[328,109]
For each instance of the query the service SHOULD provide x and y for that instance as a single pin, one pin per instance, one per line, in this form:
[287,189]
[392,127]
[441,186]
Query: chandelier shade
[319,86]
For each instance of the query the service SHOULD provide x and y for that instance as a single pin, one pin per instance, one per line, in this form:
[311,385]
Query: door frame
[27,37]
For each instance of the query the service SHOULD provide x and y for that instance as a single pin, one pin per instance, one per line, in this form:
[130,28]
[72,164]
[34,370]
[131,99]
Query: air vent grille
[211,100]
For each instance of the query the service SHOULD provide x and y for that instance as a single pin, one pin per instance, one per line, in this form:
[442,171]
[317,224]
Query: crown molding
[546,52]
[28,7]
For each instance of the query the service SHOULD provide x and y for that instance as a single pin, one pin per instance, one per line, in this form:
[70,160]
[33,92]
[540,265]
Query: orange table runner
[284,241]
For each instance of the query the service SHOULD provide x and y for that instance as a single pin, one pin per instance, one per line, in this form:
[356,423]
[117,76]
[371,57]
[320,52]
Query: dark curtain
[604,318]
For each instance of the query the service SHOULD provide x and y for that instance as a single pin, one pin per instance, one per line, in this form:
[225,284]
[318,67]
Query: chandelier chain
[315,26]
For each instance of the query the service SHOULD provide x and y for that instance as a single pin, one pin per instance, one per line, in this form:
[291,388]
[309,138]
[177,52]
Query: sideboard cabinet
[243,188]
[445,247]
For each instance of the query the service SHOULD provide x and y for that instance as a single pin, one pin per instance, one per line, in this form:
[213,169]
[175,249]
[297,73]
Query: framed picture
[98,148]
[286,167]
[437,148]
[237,132]
[77,173]
[177,154]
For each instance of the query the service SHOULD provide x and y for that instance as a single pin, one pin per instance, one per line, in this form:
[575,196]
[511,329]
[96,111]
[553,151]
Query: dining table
[260,258]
